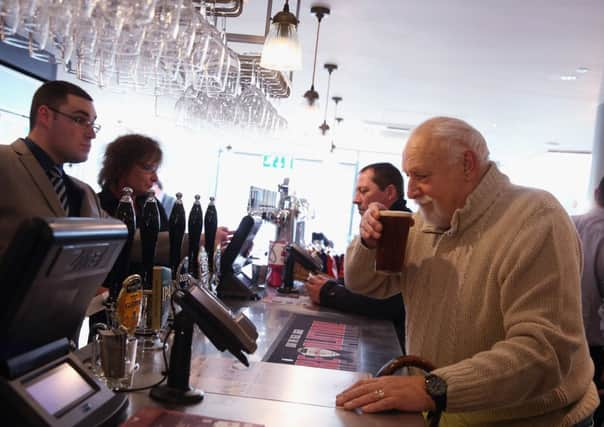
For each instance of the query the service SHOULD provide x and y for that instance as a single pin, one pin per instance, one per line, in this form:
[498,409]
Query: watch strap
[436,388]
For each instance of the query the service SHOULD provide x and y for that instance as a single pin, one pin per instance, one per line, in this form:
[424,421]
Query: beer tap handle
[210,224]
[150,226]
[125,213]
[195,228]
[176,231]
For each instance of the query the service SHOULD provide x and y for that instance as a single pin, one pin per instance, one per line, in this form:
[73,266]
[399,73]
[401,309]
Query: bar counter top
[277,394]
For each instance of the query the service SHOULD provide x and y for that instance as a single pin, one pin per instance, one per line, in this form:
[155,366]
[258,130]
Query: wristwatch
[436,387]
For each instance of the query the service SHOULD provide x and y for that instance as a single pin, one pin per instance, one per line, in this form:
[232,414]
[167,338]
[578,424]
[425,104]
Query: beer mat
[317,342]
[158,417]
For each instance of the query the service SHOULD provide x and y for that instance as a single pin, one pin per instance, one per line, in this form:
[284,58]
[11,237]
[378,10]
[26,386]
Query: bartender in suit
[62,127]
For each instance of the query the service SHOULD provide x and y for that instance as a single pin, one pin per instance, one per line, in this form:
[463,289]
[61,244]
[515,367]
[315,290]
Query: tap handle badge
[129,303]
[204,268]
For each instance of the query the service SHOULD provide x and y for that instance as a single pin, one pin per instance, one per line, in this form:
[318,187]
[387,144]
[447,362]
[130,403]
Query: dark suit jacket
[27,192]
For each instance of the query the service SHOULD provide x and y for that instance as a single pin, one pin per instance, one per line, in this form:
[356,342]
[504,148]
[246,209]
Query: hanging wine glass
[10,13]
[34,26]
[60,28]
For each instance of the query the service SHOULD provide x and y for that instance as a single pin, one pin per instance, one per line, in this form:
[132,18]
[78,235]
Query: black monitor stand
[297,254]
[238,285]
[288,286]
[177,389]
[225,330]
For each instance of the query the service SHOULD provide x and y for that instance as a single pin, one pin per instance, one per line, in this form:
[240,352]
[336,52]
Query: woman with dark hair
[130,161]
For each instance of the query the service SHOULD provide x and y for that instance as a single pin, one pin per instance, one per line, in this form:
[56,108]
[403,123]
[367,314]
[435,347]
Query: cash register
[49,274]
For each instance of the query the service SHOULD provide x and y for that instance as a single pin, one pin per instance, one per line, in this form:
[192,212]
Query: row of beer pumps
[150,225]
[152,294]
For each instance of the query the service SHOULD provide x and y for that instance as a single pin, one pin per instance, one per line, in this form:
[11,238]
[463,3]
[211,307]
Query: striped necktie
[55,174]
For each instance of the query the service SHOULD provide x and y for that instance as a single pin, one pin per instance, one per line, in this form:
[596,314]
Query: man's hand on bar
[313,284]
[405,393]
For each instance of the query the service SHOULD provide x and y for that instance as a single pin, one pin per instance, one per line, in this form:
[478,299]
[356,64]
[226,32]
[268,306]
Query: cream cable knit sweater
[495,303]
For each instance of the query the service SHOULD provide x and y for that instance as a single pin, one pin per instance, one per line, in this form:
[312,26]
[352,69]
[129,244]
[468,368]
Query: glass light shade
[312,108]
[281,49]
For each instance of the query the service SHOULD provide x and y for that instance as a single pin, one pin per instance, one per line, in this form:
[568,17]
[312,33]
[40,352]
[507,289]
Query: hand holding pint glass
[387,232]
[390,250]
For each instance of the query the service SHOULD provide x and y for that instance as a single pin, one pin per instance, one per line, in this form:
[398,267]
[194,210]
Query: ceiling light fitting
[281,49]
[312,95]
[337,120]
[330,68]
[336,100]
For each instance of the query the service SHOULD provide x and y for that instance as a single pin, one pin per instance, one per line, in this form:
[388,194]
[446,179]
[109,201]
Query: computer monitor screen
[48,276]
[236,253]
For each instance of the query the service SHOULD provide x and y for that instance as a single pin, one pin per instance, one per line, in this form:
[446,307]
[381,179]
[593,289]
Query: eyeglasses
[148,167]
[82,121]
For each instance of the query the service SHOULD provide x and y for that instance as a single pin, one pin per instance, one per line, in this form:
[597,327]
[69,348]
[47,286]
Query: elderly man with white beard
[491,284]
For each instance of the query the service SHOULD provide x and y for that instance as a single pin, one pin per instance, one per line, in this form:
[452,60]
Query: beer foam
[395,213]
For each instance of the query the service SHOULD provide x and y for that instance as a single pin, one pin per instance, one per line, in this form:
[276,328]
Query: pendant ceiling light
[337,120]
[281,49]
[333,144]
[312,95]
[324,126]
[336,100]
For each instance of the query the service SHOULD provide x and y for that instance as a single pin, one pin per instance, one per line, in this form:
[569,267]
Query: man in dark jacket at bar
[377,182]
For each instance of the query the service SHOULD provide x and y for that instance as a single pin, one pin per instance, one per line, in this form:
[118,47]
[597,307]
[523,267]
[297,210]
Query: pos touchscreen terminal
[233,280]
[49,274]
[226,330]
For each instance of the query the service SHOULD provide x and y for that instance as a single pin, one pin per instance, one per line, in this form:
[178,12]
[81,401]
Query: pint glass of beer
[390,251]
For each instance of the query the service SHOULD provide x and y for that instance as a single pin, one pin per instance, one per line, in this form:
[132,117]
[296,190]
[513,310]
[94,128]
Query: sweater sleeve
[544,347]
[360,275]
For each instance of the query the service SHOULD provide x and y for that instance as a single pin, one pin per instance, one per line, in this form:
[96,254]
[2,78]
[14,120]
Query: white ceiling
[495,63]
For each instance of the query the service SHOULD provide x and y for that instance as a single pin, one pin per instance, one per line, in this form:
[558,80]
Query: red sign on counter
[309,341]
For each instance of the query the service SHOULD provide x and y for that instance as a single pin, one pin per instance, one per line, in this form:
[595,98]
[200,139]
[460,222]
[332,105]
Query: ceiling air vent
[390,129]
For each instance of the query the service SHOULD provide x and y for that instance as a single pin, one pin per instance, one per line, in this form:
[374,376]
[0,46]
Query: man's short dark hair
[53,93]
[123,153]
[385,174]
[600,193]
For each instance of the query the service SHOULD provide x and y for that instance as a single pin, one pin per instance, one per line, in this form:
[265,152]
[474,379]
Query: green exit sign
[276,161]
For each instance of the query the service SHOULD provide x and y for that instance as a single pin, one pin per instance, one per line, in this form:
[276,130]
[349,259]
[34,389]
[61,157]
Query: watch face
[435,386]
